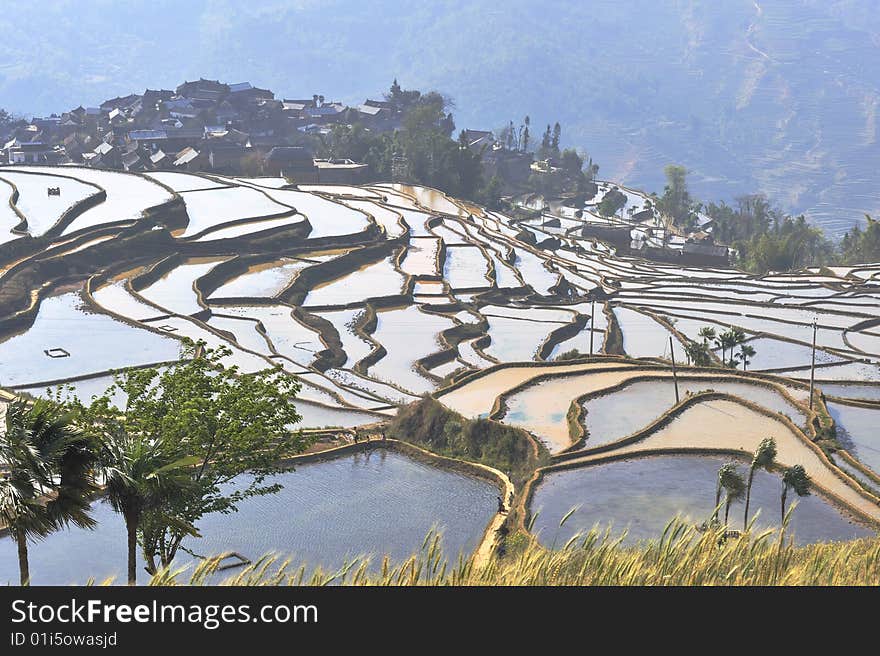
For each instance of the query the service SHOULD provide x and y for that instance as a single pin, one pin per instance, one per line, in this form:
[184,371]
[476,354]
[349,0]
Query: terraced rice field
[385,277]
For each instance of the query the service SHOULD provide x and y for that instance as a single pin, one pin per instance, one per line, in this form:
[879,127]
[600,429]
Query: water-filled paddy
[183,181]
[533,272]
[114,297]
[852,391]
[289,337]
[325,216]
[315,415]
[779,354]
[613,416]
[421,257]
[268,279]
[95,343]
[643,494]
[465,267]
[355,346]
[643,337]
[373,280]
[517,339]
[381,502]
[127,196]
[407,335]
[385,217]
[857,430]
[250,228]
[174,291]
[243,330]
[42,210]
[209,208]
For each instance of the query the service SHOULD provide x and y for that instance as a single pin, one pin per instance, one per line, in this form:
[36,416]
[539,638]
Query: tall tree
[225,422]
[763,458]
[734,487]
[794,478]
[676,200]
[48,480]
[142,473]
[708,334]
[746,353]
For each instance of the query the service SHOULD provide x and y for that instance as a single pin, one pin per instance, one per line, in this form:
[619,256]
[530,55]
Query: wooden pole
[674,373]
[592,324]
[813,366]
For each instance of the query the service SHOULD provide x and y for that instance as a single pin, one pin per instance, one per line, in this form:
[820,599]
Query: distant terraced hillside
[373,296]
[779,97]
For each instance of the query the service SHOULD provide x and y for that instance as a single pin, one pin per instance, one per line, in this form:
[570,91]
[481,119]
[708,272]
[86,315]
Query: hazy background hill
[779,96]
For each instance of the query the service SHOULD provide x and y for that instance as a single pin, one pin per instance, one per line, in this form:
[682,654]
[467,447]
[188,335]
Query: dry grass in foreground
[682,556]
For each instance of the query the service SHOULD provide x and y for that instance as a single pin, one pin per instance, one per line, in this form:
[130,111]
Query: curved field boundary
[499,407]
[677,410]
[291,211]
[100,374]
[347,263]
[69,214]
[830,496]
[21,227]
[580,436]
[492,533]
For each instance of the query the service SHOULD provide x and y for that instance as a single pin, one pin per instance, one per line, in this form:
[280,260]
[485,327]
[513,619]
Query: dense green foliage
[428,423]
[676,201]
[861,246]
[200,412]
[422,151]
[612,202]
[764,238]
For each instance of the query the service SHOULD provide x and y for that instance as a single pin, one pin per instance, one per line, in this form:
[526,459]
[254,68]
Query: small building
[132,161]
[704,254]
[202,89]
[245,93]
[225,156]
[478,140]
[34,153]
[292,161]
[370,114]
[187,160]
[341,171]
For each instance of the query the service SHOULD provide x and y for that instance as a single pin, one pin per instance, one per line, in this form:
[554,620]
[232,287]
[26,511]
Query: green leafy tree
[794,478]
[676,200]
[224,422]
[47,483]
[763,458]
[612,202]
[860,246]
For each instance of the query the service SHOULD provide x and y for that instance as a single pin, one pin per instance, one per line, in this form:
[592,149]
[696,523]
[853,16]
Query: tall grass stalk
[683,555]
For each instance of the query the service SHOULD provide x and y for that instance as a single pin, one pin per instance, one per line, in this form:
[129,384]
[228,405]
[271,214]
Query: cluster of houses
[204,125]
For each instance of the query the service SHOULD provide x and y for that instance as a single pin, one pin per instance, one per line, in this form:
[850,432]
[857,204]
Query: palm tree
[708,334]
[735,487]
[724,341]
[797,479]
[48,479]
[140,475]
[763,458]
[746,352]
[724,474]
